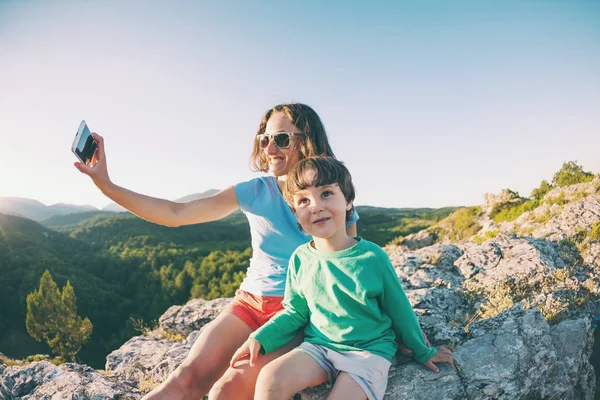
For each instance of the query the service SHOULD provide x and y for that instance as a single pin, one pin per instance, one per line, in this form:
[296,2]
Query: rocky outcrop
[492,200]
[44,381]
[493,304]
[420,239]
[191,316]
[149,359]
[517,355]
[573,218]
[564,212]
[516,310]
[511,351]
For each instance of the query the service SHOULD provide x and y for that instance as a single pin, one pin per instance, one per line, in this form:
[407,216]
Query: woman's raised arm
[158,211]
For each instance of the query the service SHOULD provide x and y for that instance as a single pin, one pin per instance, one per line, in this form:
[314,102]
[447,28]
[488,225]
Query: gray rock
[191,316]
[508,255]
[419,240]
[478,259]
[576,216]
[439,301]
[515,355]
[428,276]
[562,213]
[573,192]
[415,382]
[492,200]
[442,256]
[44,381]
[509,356]
[428,267]
[409,381]
[592,256]
[149,359]
[572,341]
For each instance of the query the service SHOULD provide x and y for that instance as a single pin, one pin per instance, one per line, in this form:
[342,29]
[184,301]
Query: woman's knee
[232,385]
[193,376]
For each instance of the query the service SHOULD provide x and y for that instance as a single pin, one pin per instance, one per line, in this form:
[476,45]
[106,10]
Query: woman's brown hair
[312,143]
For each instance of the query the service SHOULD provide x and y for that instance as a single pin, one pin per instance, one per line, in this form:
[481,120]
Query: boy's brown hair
[328,171]
[313,141]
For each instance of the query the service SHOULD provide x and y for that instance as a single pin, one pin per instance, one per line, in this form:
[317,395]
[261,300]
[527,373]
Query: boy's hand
[442,355]
[249,349]
[405,351]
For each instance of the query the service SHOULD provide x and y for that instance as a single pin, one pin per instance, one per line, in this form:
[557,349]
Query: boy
[345,294]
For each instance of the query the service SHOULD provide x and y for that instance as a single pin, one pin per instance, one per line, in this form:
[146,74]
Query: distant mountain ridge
[196,196]
[37,211]
[114,207]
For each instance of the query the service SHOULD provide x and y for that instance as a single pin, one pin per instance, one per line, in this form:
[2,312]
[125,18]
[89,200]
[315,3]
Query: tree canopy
[570,174]
[52,317]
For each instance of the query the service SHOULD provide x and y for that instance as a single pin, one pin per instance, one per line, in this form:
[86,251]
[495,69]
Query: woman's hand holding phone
[97,169]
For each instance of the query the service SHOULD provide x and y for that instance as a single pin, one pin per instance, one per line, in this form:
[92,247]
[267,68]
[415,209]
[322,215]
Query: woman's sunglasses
[281,139]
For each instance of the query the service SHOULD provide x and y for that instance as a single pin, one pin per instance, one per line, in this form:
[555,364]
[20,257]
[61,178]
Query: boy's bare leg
[207,360]
[239,383]
[288,375]
[346,388]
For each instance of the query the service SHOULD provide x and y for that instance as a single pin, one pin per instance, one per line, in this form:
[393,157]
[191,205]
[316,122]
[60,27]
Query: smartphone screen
[86,146]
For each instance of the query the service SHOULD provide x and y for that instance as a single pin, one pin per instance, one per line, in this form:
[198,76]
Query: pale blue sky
[429,103]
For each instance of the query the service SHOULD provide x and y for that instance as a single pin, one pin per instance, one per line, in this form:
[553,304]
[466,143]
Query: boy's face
[321,210]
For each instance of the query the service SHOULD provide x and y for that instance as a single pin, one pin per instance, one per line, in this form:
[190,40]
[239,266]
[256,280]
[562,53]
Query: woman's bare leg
[239,382]
[288,375]
[207,360]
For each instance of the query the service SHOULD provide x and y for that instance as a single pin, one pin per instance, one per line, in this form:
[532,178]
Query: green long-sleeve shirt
[349,300]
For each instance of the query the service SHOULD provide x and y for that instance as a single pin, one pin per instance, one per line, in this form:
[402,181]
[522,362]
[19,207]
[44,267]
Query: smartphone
[84,144]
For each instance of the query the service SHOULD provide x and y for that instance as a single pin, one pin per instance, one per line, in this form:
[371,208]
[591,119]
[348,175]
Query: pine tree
[52,316]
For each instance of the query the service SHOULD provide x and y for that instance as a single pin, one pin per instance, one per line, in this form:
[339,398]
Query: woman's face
[281,160]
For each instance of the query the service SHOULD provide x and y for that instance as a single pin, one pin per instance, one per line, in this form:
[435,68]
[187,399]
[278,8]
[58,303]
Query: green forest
[123,269]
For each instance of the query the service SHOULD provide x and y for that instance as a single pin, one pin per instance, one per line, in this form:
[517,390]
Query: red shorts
[254,310]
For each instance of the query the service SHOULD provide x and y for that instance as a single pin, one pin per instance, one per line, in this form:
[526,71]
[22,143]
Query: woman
[287,134]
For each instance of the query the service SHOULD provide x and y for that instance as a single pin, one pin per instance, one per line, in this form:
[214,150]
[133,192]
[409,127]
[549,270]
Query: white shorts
[368,370]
